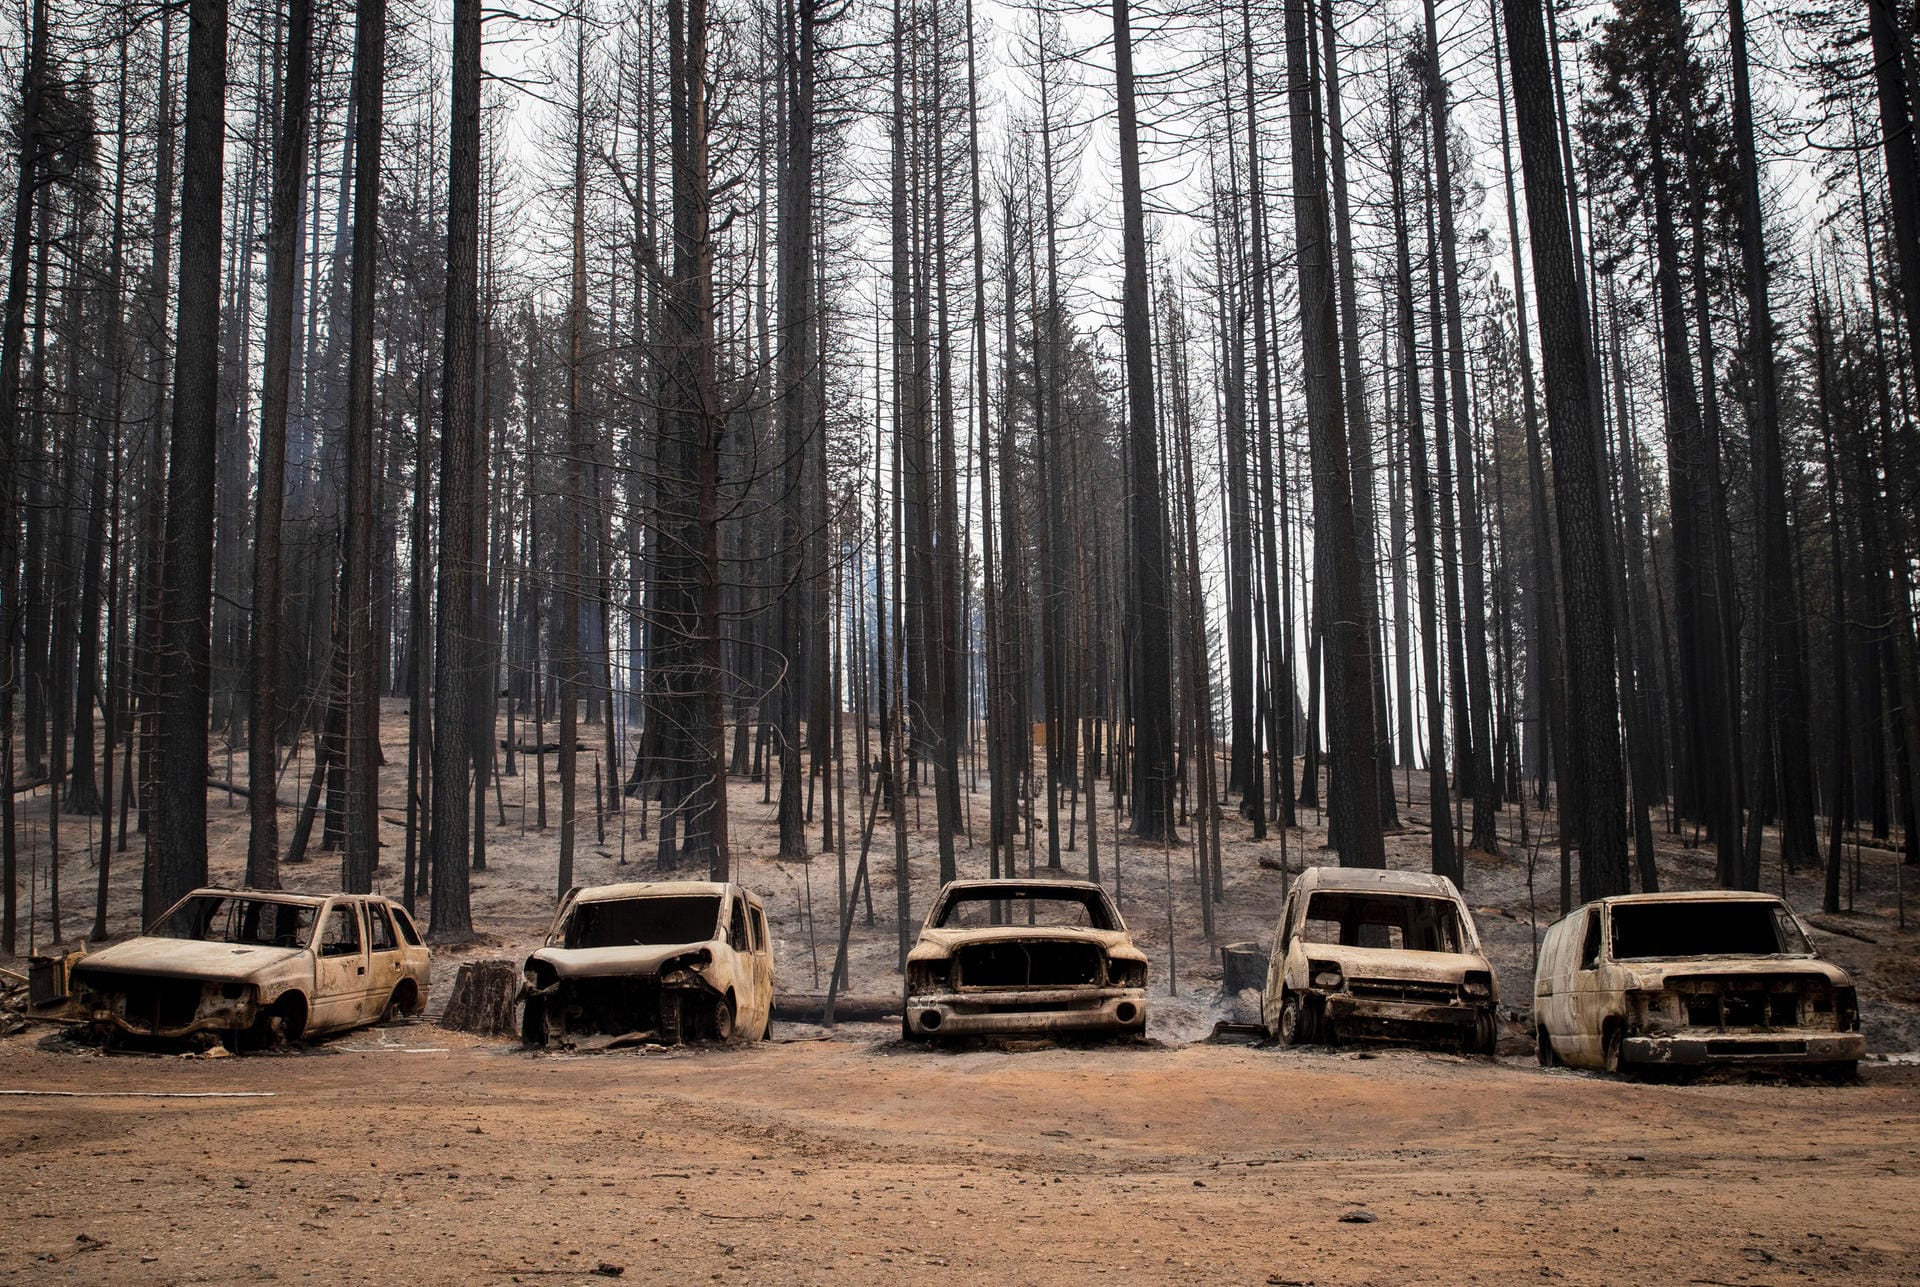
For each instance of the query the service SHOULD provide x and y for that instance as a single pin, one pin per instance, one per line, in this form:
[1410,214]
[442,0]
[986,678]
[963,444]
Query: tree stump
[1242,966]
[485,996]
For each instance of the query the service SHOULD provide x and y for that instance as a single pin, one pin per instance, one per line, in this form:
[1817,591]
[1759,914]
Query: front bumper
[1746,1048]
[167,1009]
[1399,1020]
[1033,1011]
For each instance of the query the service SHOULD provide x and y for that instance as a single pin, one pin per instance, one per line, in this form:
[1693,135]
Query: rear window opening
[1405,922]
[638,922]
[1742,927]
[1063,909]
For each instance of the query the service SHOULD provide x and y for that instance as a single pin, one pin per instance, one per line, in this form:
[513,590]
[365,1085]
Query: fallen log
[1830,928]
[811,1007]
[220,784]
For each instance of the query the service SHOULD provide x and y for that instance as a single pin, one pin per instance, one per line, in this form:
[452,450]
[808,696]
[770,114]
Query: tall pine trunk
[186,594]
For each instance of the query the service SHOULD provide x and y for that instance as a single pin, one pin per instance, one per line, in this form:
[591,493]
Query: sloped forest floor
[409,1153]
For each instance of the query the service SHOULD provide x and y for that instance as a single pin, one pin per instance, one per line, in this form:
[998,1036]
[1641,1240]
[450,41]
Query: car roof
[273,895]
[1373,878]
[653,889]
[1693,896]
[1012,887]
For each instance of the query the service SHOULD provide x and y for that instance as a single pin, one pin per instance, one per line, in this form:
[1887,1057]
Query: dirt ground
[412,1153]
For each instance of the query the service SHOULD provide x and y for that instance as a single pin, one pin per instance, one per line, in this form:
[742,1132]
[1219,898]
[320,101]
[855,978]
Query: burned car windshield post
[670,962]
[1008,957]
[253,966]
[1381,955]
[1691,979]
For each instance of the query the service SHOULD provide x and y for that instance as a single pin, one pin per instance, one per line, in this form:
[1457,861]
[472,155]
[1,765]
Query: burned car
[1381,955]
[1024,956]
[258,965]
[1708,977]
[675,960]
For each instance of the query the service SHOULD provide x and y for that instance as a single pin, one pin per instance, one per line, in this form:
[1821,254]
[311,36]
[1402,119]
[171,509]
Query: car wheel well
[1613,1031]
[405,999]
[291,1007]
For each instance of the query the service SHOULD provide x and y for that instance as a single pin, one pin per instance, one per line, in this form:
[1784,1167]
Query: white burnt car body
[1705,977]
[1024,956]
[238,962]
[1381,955]
[680,960]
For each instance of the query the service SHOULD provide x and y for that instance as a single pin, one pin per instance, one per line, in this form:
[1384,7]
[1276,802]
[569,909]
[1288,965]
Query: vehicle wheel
[399,1005]
[1611,1049]
[1543,1049]
[1486,1033]
[1288,1030]
[720,1021]
[533,1023]
[766,1033]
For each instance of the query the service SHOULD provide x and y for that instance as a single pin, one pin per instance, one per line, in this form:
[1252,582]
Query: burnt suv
[1006,957]
[1379,955]
[672,960]
[258,964]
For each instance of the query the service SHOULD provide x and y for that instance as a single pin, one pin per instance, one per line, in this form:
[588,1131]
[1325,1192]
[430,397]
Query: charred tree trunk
[186,597]
[456,621]
[1593,718]
[1348,650]
[1150,693]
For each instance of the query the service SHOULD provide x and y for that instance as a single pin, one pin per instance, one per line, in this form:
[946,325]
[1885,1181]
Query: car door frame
[1590,996]
[762,966]
[339,982]
[383,975]
[1272,995]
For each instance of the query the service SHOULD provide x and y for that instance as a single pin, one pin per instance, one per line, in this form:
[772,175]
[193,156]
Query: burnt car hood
[1666,971]
[185,959]
[600,962]
[940,942]
[1397,963]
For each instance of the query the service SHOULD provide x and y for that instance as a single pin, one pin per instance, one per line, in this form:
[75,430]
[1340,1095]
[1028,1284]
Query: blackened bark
[1349,652]
[186,596]
[1780,684]
[1150,691]
[13,331]
[360,671]
[1593,721]
[283,258]
[455,619]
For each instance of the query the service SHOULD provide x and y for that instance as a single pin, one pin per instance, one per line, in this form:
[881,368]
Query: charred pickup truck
[256,965]
[1024,956]
[674,960]
[1385,955]
[1707,977]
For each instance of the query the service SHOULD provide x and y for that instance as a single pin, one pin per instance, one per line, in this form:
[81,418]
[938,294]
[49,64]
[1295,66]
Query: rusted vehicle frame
[170,988]
[709,989]
[1595,1010]
[1334,992]
[941,1003]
